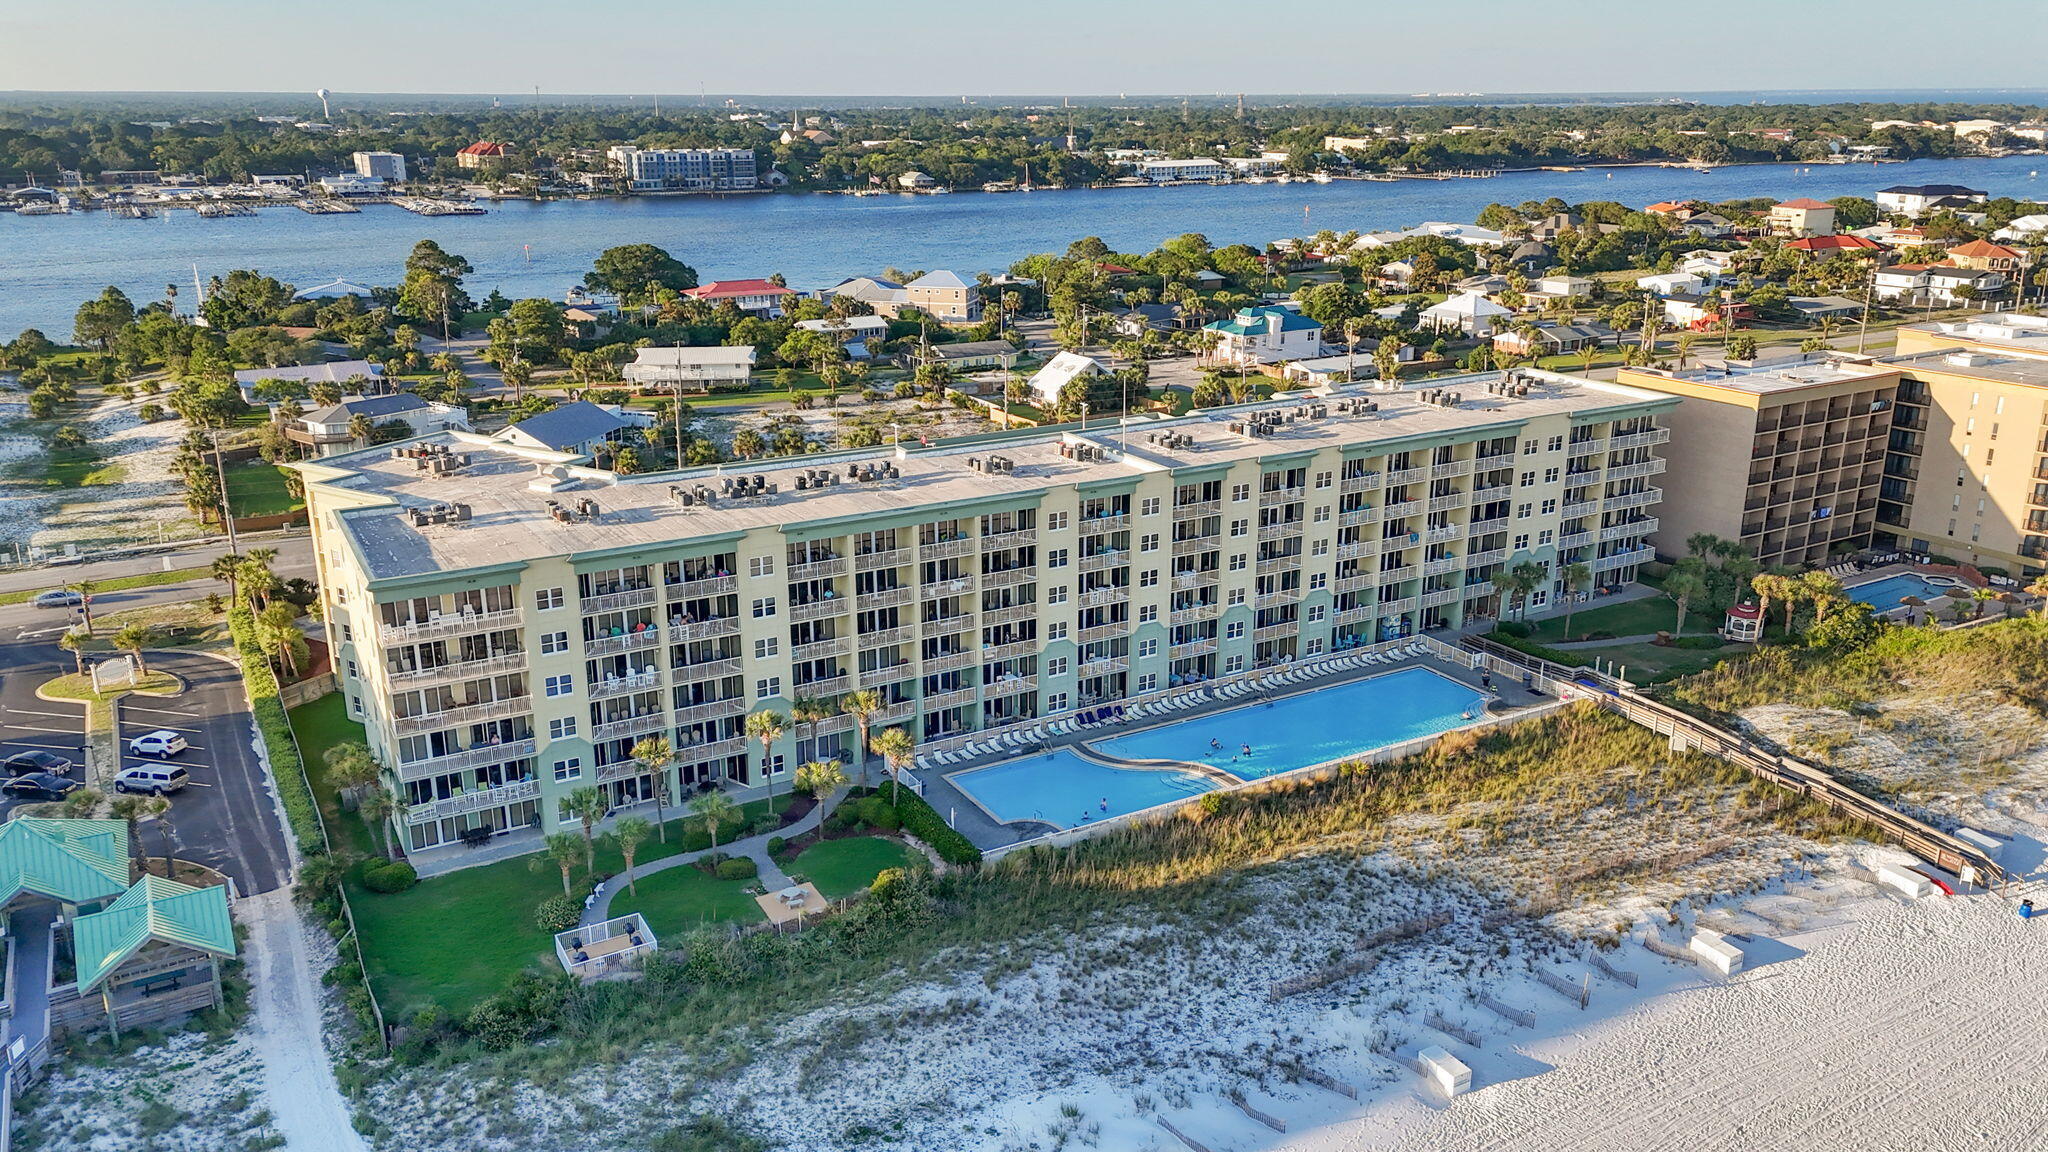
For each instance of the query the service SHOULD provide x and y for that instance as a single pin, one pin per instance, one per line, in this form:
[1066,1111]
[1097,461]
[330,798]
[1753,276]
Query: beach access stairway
[1804,777]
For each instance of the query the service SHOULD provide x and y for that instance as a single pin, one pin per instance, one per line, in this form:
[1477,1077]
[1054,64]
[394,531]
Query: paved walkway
[754,848]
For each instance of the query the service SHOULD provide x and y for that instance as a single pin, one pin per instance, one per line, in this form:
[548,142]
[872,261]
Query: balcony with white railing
[896,713]
[1643,527]
[1572,510]
[480,756]
[949,662]
[1102,632]
[1100,562]
[1488,556]
[1194,614]
[1393,607]
[1575,540]
[1444,533]
[692,587]
[1102,666]
[477,800]
[705,670]
[820,649]
[459,670]
[711,710]
[1365,483]
[626,642]
[1441,597]
[997,541]
[1192,648]
[1198,509]
[1355,516]
[1358,583]
[643,725]
[1294,495]
[886,598]
[1622,559]
[825,685]
[1451,470]
[1014,614]
[711,750]
[936,701]
[612,686]
[615,601]
[1357,549]
[1636,499]
[1649,467]
[818,569]
[1194,544]
[1010,577]
[1276,598]
[465,714]
[1096,597]
[1482,527]
[1278,631]
[1399,575]
[1096,525]
[947,549]
[1490,492]
[884,637]
[1284,528]
[440,626]
[1408,476]
[703,629]
[886,558]
[1639,439]
[1402,508]
[1453,502]
[1012,686]
[1442,566]
[820,609]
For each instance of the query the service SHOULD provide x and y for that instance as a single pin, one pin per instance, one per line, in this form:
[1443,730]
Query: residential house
[1532,256]
[1700,312]
[915,181]
[762,298]
[1936,285]
[1060,371]
[1467,312]
[1820,307]
[1670,283]
[1397,273]
[481,153]
[1552,339]
[1143,318]
[966,356]
[1266,335]
[1985,256]
[884,296]
[945,296]
[1707,226]
[1916,199]
[578,428]
[1894,236]
[852,331]
[1801,217]
[326,430]
[1471,234]
[144,952]
[1821,247]
[2024,229]
[1208,280]
[1560,288]
[350,373]
[1675,209]
[1555,225]
[696,369]
[333,290]
[685,169]
[1486,284]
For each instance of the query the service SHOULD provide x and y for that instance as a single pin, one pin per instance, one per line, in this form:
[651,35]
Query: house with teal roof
[92,946]
[1265,334]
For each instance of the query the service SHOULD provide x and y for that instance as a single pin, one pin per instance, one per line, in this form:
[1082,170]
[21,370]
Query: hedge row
[276,729]
[923,822]
[1541,652]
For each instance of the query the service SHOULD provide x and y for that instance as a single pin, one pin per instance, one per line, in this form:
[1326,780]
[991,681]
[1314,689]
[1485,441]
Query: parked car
[163,742]
[154,779]
[23,763]
[58,598]
[39,786]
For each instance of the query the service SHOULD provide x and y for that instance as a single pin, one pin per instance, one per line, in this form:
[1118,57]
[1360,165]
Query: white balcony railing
[438,626]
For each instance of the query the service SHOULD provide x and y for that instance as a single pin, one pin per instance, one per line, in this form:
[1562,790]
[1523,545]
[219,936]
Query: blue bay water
[48,264]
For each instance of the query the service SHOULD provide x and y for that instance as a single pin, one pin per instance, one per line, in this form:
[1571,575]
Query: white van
[153,779]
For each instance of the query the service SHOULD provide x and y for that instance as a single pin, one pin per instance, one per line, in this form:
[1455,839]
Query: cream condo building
[508,622]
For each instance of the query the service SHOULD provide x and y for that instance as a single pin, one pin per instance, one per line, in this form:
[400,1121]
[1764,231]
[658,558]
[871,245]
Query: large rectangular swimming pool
[1062,788]
[1884,595]
[1313,727]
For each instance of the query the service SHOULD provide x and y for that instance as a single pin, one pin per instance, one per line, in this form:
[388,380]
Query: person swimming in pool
[1105,803]
[1246,751]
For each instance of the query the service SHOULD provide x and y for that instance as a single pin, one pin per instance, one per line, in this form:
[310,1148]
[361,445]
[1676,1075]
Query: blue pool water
[1061,788]
[1314,727]
[1884,595]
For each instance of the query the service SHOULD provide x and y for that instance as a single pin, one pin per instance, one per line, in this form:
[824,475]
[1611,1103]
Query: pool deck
[974,822]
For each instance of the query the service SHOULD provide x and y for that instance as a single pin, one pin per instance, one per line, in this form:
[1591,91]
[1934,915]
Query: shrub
[764,824]
[843,817]
[776,844]
[888,819]
[737,868]
[696,838]
[150,413]
[1568,659]
[919,819]
[1519,629]
[275,727]
[558,914]
[870,809]
[390,876]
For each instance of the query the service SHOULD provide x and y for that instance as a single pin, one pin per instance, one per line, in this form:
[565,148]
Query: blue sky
[1036,46]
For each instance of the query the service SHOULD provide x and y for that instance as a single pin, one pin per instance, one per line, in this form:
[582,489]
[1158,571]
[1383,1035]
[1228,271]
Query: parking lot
[31,724]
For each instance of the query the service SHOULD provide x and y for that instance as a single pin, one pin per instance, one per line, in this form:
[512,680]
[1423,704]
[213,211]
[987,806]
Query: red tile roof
[1835,244]
[1669,206]
[483,148]
[733,289]
[1804,203]
[1984,248]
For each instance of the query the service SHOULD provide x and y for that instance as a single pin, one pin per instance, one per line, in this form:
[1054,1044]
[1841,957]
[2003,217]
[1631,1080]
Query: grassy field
[683,898]
[1633,618]
[118,584]
[257,488]
[69,468]
[842,867]
[321,725]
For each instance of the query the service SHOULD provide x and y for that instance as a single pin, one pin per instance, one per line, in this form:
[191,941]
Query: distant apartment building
[387,166]
[481,153]
[685,169]
[1785,457]
[1168,171]
[508,623]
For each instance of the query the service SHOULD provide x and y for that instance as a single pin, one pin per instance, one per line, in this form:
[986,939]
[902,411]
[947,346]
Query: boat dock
[220,210]
[422,206]
[325,207]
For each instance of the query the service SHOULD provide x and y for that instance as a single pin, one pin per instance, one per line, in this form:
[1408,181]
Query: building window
[560,685]
[1544,538]
[1322,514]
[1056,595]
[1528,479]
[763,649]
[1319,548]
[1148,682]
[1237,562]
[1057,702]
[1522,542]
[1322,479]
[352,673]
[761,566]
[1318,581]
[1057,666]
[765,606]
[1316,613]
[1550,475]
[1149,506]
[1149,578]
[1148,648]
[1236,596]
[1315,648]
[1056,558]
[355,705]
[1056,630]
[1557,443]
[1056,521]
[553,642]
[1233,664]
[1550,506]
[1529,447]
[1148,614]
[1148,542]
[1522,511]
[767,687]
[547,598]
[347,633]
[1240,527]
[1539,598]
[1240,492]
[775,765]
[569,769]
[1234,630]
[564,727]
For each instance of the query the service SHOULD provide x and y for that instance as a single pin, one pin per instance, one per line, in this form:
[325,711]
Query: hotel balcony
[440,626]
[623,685]
[613,601]
[465,714]
[479,756]
[479,800]
[459,670]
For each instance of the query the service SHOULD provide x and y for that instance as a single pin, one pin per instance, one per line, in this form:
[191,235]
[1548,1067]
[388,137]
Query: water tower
[323,94]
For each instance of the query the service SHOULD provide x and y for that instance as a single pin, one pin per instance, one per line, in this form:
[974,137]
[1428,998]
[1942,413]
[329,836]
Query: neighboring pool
[1884,595]
[1314,727]
[1059,787]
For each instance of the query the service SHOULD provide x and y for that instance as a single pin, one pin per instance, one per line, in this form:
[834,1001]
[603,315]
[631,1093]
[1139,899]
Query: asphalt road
[227,818]
[27,622]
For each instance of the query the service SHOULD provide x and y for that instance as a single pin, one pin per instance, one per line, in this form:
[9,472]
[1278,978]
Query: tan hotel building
[1786,457]
[508,622]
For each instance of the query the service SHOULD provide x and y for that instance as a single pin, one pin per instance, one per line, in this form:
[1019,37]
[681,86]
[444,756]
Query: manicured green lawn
[1632,618]
[842,867]
[1646,662]
[454,940]
[258,489]
[321,725]
[683,898]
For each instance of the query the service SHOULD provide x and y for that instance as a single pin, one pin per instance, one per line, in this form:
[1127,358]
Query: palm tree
[130,810]
[562,850]
[629,833]
[132,639]
[715,809]
[2040,588]
[897,749]
[1576,577]
[160,808]
[767,726]
[820,778]
[1770,586]
[653,756]
[352,769]
[74,643]
[1684,587]
[228,568]
[862,706]
[85,589]
[359,428]
[589,805]
[377,807]
[1982,598]
[810,711]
